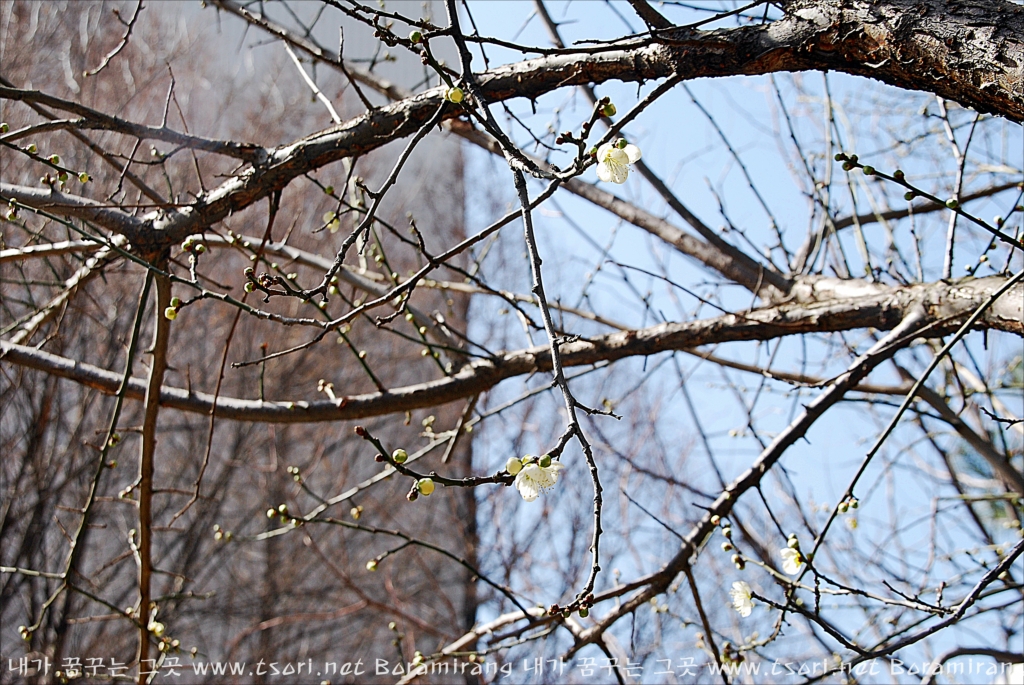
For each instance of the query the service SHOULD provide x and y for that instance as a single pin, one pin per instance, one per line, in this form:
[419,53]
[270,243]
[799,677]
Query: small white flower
[534,478]
[792,560]
[742,601]
[613,162]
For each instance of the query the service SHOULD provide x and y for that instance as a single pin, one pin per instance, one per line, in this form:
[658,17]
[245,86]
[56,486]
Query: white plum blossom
[613,161]
[534,478]
[792,560]
[742,601]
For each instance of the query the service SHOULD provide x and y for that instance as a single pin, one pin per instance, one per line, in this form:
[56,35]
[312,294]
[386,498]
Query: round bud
[329,190]
[716,519]
[454,95]
[355,513]
[909,195]
[32,149]
[847,166]
[4,128]
[727,546]
[843,507]
[54,159]
[415,37]
[271,513]
[898,174]
[727,532]
[793,543]
[425,486]
[200,248]
[952,203]
[869,170]
[399,456]
[544,461]
[584,611]
[371,565]
[621,143]
[840,157]
[175,301]
[513,465]
[609,110]
[249,286]
[171,313]
[854,502]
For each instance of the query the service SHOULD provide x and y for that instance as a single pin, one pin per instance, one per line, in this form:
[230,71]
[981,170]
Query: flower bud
[415,37]
[454,95]
[513,465]
[544,461]
[249,286]
[4,128]
[32,149]
[425,486]
[609,110]
[175,301]
[584,611]
[171,313]
[371,565]
[399,456]
[54,159]
[898,174]
[952,203]
[716,519]
[621,143]
[843,507]
[909,195]
[869,170]
[727,546]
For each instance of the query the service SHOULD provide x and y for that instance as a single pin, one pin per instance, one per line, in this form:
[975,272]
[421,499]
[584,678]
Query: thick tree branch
[944,306]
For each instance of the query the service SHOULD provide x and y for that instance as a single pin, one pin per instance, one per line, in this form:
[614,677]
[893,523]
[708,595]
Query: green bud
[54,159]
[83,177]
[32,149]
[609,110]
[584,611]
[329,190]
[4,128]
[544,461]
[909,195]
[840,157]
[869,170]
[175,301]
[371,565]
[249,286]
[399,456]
[454,95]
[843,507]
[513,465]
[847,166]
[898,174]
[415,37]
[171,313]
[425,486]
[621,143]
[952,203]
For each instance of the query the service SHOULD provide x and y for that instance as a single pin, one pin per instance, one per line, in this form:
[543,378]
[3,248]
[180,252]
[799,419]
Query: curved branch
[944,308]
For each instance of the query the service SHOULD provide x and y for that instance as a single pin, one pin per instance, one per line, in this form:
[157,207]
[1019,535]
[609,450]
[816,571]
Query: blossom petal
[602,152]
[632,153]
[791,561]
[742,601]
[604,172]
